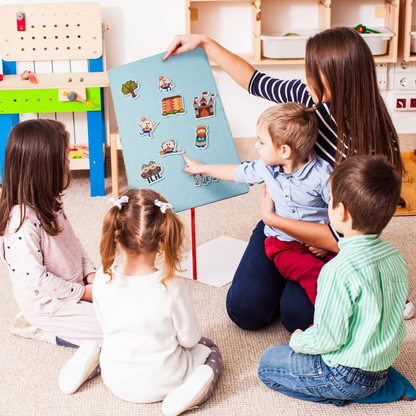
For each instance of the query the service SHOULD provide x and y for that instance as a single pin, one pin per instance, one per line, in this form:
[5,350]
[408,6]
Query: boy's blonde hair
[292,124]
[141,227]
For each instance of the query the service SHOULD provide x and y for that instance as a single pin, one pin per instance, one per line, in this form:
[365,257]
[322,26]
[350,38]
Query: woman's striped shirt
[358,318]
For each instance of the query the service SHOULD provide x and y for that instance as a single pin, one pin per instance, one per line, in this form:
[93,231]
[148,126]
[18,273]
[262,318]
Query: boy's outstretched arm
[223,172]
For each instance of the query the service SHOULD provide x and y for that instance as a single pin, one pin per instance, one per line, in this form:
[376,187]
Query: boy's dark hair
[36,172]
[292,124]
[369,187]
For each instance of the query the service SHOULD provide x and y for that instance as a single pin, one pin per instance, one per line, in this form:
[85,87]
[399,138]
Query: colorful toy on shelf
[401,203]
[1,77]
[364,29]
[30,42]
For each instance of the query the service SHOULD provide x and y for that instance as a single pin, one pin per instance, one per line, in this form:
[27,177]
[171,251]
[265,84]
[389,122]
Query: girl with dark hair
[152,346]
[340,86]
[50,271]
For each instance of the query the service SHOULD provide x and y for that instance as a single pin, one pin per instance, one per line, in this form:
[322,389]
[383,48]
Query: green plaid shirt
[358,318]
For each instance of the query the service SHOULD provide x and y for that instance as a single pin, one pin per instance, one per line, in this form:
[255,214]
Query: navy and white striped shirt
[283,91]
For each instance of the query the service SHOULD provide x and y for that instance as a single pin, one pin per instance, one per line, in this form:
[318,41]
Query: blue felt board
[191,75]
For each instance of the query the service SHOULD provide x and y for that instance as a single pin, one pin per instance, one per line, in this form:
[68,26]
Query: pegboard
[60,31]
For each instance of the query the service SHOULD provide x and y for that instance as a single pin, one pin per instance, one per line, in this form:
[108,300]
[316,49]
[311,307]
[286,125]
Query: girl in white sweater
[152,346]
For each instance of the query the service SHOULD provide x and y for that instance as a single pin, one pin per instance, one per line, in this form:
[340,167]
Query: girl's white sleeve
[184,317]
[30,257]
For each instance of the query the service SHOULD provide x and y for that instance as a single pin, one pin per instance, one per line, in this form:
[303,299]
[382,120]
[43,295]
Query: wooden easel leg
[193,234]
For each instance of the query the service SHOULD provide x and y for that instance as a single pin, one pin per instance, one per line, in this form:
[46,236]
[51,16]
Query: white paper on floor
[217,261]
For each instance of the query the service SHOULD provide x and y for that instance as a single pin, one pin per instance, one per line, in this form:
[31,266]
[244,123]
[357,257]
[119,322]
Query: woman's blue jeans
[259,292]
[307,377]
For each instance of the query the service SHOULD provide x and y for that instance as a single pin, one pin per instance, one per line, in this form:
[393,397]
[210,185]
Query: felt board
[159,107]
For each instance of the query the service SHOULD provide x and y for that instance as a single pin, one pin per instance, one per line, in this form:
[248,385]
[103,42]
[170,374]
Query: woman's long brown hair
[36,172]
[140,226]
[364,127]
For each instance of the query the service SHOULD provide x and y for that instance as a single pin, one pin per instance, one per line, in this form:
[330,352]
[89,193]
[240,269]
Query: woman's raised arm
[237,68]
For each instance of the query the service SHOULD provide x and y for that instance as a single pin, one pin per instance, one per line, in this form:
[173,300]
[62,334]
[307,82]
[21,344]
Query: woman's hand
[184,43]
[87,296]
[318,252]
[266,206]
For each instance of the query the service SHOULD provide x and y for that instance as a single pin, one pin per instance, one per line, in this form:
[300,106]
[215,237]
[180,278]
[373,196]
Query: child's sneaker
[81,367]
[190,393]
[409,310]
[23,328]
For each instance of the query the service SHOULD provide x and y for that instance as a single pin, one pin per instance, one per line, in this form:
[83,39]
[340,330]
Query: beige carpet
[29,369]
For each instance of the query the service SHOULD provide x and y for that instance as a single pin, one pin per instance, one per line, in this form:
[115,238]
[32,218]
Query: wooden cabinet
[240,25]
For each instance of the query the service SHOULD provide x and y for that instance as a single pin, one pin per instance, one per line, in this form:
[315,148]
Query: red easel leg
[193,233]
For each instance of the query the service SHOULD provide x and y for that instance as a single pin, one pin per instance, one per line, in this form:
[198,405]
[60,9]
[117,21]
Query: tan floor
[29,369]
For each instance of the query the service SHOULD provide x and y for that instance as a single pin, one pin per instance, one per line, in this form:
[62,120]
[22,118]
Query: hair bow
[163,205]
[118,202]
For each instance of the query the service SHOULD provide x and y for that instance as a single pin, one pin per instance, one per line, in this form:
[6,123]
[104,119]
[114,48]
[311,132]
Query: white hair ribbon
[118,202]
[163,205]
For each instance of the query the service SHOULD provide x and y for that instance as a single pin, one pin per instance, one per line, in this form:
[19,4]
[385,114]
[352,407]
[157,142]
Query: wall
[147,28]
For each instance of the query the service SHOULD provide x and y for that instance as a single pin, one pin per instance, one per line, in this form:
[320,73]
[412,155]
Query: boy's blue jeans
[307,377]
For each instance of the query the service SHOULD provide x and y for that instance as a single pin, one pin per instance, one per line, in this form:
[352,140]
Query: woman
[340,85]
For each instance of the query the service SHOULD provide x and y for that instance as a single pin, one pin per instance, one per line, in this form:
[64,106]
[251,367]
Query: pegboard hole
[55,25]
[78,25]
[67,25]
[34,49]
[32,27]
[56,48]
[79,47]
[15,100]
[67,36]
[23,49]
[44,26]
[94,38]
[50,99]
[44,37]
[27,99]
[45,49]
[22,38]
[56,37]
[79,36]
[68,47]
[38,99]
[81,79]
[32,38]
[69,79]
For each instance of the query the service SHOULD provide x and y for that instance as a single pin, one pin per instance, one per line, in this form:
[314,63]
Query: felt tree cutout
[129,87]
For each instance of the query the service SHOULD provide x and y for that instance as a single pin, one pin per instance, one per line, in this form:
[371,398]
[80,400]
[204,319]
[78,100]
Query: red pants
[295,262]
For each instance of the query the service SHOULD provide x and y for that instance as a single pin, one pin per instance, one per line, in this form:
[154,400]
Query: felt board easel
[166,108]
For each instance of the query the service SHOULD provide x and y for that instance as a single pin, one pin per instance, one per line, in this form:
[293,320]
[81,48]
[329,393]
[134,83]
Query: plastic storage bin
[278,46]
[413,41]
[377,42]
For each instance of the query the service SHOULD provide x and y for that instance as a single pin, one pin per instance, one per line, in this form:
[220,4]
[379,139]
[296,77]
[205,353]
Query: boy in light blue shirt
[297,181]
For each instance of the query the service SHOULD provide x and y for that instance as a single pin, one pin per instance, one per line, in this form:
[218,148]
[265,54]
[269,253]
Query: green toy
[364,29]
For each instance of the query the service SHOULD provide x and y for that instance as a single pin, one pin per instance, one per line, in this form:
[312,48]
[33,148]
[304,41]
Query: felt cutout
[151,172]
[147,126]
[172,106]
[201,141]
[169,148]
[130,88]
[204,106]
[165,84]
[203,179]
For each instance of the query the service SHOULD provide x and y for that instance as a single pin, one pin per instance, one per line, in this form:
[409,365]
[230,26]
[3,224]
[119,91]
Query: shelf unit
[409,25]
[210,16]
